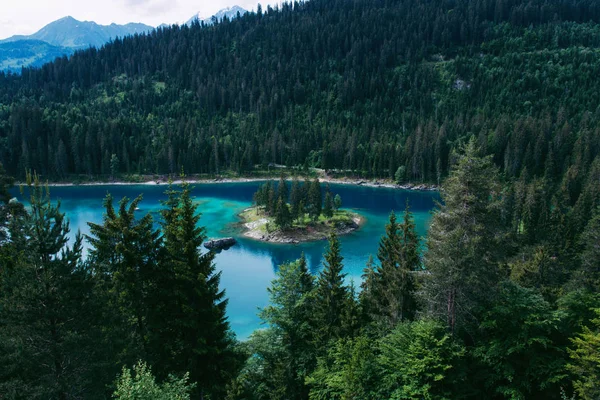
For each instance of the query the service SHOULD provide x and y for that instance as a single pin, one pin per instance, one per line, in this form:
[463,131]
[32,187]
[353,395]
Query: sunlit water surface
[248,268]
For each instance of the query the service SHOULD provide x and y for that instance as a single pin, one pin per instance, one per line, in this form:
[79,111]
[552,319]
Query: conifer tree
[328,205]
[464,241]
[337,202]
[585,360]
[282,216]
[331,296]
[588,275]
[295,199]
[126,252]
[197,333]
[315,200]
[284,354]
[282,190]
[389,296]
[48,320]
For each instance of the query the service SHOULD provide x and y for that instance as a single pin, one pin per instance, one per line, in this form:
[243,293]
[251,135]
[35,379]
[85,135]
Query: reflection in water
[248,268]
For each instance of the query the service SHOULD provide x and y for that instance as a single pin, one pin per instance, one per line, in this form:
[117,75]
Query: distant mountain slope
[229,12]
[33,53]
[28,53]
[69,32]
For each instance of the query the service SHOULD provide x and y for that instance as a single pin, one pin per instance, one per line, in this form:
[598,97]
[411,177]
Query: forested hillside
[366,86]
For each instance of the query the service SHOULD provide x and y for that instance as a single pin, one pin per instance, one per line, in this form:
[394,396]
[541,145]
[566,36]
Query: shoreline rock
[220,244]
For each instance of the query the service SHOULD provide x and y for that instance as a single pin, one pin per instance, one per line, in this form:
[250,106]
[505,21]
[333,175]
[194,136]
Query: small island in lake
[301,214]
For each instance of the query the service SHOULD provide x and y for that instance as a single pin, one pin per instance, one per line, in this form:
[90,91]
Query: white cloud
[25,17]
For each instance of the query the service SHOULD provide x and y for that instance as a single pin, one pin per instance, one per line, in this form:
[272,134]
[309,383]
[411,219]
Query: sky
[24,17]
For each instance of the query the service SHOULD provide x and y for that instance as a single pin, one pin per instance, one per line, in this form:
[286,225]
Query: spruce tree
[282,190]
[48,320]
[331,296]
[126,253]
[328,205]
[295,199]
[290,318]
[282,215]
[315,200]
[588,275]
[198,333]
[464,241]
[389,297]
[337,202]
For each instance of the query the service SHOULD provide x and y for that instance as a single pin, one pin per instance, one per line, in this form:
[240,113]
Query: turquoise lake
[248,268]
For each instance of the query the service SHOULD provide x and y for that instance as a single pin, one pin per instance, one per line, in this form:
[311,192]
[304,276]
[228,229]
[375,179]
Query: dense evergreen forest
[496,100]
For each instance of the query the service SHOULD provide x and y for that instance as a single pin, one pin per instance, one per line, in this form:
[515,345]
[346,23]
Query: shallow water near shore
[248,267]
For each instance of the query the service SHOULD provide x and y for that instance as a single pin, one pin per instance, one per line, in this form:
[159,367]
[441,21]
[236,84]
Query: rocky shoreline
[341,181]
[255,230]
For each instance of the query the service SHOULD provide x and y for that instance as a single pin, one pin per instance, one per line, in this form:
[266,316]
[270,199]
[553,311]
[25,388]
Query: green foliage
[48,325]
[337,202]
[389,295]
[585,361]
[283,217]
[400,174]
[192,332]
[328,206]
[516,353]
[284,354]
[296,198]
[421,360]
[348,371]
[314,202]
[114,165]
[141,385]
[589,274]
[463,243]
[332,297]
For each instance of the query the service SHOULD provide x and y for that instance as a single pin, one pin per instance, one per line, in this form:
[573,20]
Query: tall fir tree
[197,332]
[295,198]
[315,199]
[282,190]
[331,296]
[328,205]
[126,253]
[464,240]
[48,317]
[390,294]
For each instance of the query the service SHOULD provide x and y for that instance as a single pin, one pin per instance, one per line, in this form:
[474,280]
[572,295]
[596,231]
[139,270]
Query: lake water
[248,268]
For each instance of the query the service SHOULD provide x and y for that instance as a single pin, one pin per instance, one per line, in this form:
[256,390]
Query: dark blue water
[248,268]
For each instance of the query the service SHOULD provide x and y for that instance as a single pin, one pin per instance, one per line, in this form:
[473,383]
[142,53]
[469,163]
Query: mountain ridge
[72,33]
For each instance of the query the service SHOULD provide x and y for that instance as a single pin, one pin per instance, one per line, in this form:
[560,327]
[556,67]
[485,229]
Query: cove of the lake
[248,267]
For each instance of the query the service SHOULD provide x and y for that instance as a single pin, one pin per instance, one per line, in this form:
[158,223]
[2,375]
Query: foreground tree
[283,355]
[48,319]
[516,353]
[332,297]
[126,254]
[389,292]
[420,360]
[194,331]
[464,241]
[585,361]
